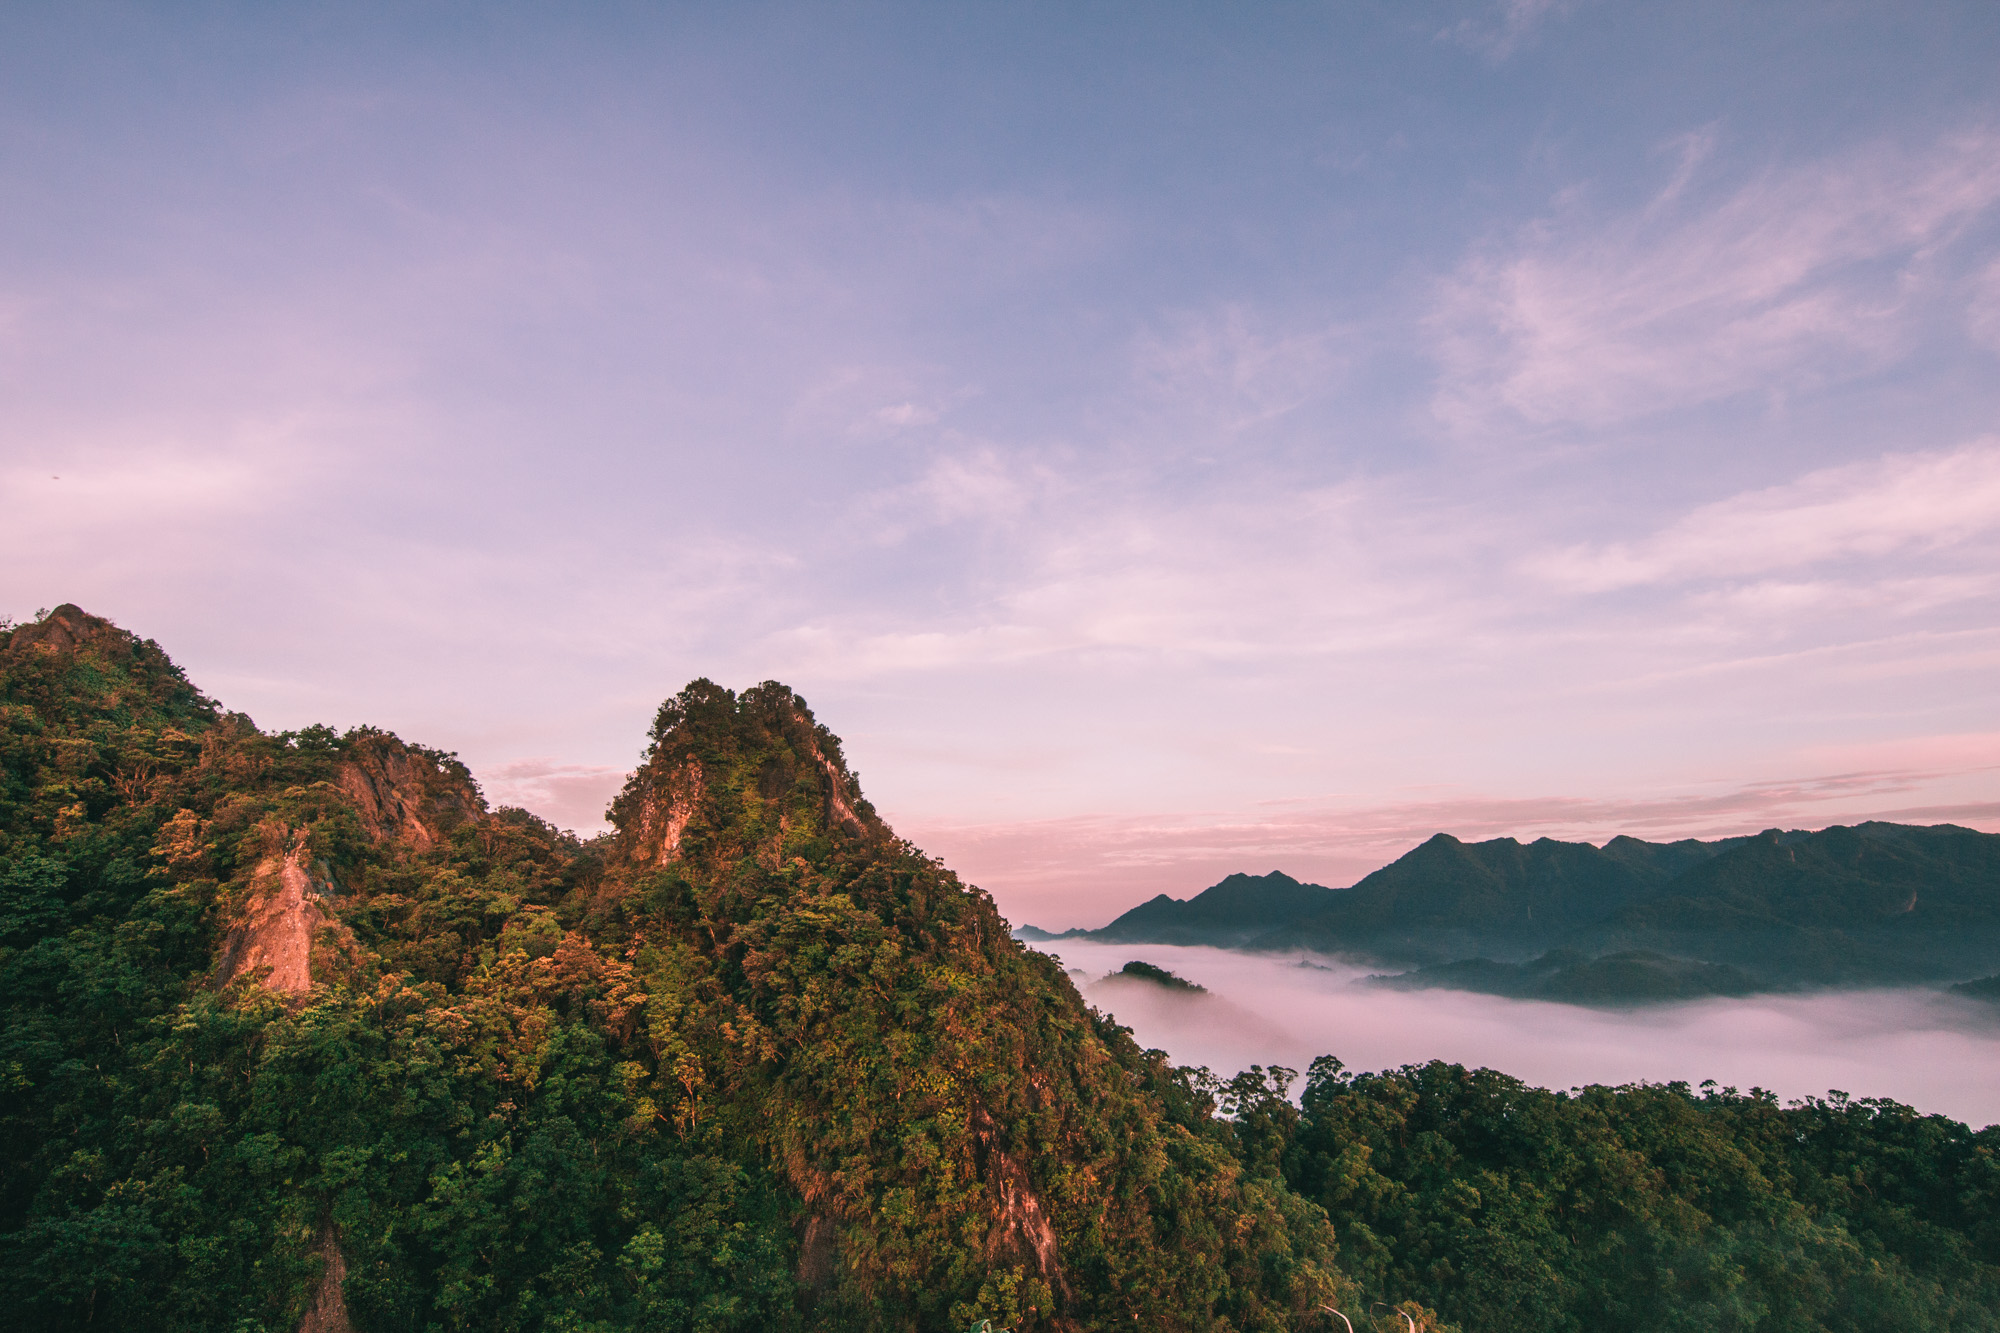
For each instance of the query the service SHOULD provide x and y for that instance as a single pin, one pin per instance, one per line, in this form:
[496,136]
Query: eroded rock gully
[280,920]
[328,1313]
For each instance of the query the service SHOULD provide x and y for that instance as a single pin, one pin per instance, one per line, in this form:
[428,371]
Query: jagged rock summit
[724,776]
[909,1060]
[68,628]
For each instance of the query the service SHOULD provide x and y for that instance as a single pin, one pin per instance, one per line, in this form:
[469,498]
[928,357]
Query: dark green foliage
[1648,1207]
[966,1141]
[750,1063]
[467,1127]
[754,1063]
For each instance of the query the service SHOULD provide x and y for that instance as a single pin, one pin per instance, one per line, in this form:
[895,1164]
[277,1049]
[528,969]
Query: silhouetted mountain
[1874,903]
[1446,896]
[1441,890]
[1986,988]
[1231,911]
[1870,875]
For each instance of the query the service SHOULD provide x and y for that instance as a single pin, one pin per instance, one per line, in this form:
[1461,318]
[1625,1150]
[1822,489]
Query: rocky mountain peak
[68,628]
[727,776]
[83,665]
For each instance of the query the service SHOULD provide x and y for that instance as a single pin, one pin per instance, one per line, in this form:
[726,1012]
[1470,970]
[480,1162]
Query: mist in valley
[1924,1048]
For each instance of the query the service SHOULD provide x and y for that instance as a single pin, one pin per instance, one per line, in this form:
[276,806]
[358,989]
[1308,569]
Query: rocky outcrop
[815,1270]
[404,794]
[1019,1229]
[66,629]
[665,812]
[329,1308]
[280,923]
[797,782]
[842,792]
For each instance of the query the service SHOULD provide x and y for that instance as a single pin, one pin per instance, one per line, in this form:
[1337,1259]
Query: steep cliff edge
[273,938]
[403,793]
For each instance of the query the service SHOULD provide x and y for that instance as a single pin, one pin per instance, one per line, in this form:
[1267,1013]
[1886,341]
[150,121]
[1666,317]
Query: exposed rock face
[279,923]
[68,628]
[666,812]
[841,789]
[1020,1225]
[404,795]
[816,1254]
[329,1308]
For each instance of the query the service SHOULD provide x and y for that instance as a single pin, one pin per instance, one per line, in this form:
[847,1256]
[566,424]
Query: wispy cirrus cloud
[1506,27]
[1796,277]
[1078,565]
[1081,563]
[1983,309]
[1899,503]
[1230,369]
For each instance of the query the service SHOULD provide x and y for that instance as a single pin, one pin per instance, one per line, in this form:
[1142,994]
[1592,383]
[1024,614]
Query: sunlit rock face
[404,793]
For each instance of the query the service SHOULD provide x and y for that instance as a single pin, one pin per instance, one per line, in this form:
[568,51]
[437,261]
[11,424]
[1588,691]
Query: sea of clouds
[1923,1048]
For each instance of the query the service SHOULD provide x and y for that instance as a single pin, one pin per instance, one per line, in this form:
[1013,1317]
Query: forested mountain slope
[1648,1207]
[297,1029]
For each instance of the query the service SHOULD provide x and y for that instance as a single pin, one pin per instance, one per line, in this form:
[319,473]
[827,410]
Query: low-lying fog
[1922,1048]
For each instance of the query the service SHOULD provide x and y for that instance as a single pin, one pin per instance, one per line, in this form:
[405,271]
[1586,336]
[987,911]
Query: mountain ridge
[1240,906]
[1864,903]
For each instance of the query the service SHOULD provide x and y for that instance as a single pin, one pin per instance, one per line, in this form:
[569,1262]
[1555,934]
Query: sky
[1160,440]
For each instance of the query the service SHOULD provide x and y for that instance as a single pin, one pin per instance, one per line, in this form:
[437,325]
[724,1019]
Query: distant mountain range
[1236,911]
[1872,903]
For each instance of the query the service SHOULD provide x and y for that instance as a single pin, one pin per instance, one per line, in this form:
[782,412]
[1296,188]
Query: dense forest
[300,1034]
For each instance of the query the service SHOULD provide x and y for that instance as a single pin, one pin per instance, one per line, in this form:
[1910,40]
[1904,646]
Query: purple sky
[1161,441]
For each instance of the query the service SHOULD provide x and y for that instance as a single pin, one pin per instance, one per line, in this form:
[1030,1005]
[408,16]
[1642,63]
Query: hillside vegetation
[298,1033]
[751,1062]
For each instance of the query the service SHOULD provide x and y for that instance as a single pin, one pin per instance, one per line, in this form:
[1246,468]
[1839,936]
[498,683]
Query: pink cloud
[571,796]
[1796,276]
[1899,502]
